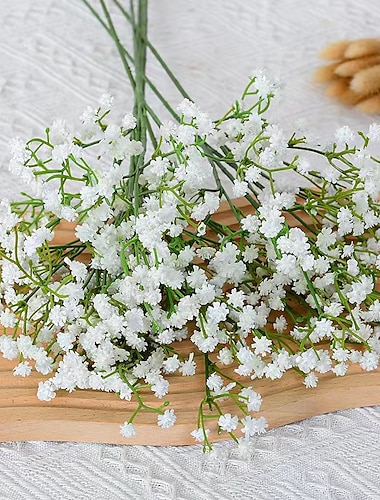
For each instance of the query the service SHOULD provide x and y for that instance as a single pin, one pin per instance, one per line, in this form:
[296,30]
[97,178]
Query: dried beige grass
[371,105]
[352,66]
[354,76]
[366,81]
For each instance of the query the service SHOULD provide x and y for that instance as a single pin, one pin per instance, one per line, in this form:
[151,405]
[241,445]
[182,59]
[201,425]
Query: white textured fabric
[54,60]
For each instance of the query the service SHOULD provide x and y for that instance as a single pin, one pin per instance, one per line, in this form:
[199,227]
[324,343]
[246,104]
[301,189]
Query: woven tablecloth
[54,61]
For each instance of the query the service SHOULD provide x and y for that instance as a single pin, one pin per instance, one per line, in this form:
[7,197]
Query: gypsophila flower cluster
[289,282]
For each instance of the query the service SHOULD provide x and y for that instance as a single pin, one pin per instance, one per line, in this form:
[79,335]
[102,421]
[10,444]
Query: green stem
[139,110]
[111,29]
[154,51]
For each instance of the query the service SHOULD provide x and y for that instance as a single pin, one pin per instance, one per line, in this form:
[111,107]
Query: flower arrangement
[290,284]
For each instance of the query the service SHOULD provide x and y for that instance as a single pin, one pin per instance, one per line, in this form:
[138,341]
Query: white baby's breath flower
[250,223]
[225,356]
[252,174]
[280,324]
[262,345]
[339,369]
[240,188]
[345,221]
[307,360]
[353,267]
[9,347]
[311,380]
[370,360]
[200,434]
[344,135]
[160,387]
[46,391]
[7,318]
[58,315]
[171,364]
[360,289]
[106,101]
[66,340]
[253,426]
[78,269]
[214,382]
[227,422]
[250,398]
[37,239]
[22,369]
[374,132]
[188,109]
[167,420]
[264,84]
[188,367]
[128,121]
[127,430]
[19,150]
[304,166]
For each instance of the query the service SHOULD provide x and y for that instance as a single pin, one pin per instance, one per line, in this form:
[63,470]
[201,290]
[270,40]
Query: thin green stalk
[139,110]
[154,51]
[116,39]
[129,60]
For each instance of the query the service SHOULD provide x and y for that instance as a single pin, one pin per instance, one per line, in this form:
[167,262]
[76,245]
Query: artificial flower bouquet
[288,281]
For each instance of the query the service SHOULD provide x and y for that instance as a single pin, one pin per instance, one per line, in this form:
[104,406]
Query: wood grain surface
[94,416]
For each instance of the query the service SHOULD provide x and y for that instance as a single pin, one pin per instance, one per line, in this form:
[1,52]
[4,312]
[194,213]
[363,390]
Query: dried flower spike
[354,76]
[362,47]
[348,69]
[366,81]
[370,105]
[334,51]
[324,74]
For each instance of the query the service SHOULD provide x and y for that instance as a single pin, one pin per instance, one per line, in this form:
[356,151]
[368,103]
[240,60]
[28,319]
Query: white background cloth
[54,61]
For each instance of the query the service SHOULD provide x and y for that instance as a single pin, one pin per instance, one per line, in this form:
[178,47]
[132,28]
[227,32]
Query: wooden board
[92,416]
